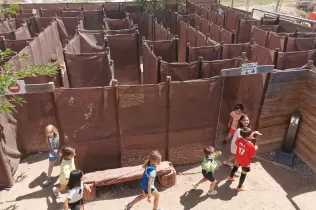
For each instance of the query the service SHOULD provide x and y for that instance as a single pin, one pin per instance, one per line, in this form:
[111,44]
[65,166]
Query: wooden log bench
[165,172]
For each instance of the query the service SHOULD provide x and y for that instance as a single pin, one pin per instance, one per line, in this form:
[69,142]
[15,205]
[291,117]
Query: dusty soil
[269,187]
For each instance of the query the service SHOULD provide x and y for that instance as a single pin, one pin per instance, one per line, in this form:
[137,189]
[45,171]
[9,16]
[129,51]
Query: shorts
[208,175]
[53,159]
[232,131]
[246,169]
[75,205]
[146,191]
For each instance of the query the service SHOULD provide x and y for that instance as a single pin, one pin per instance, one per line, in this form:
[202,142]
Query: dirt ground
[269,187]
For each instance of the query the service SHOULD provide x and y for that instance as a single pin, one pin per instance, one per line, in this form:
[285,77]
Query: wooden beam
[40,88]
[237,71]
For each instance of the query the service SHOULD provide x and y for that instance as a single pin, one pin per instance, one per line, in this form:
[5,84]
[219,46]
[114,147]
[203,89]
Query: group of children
[243,149]
[70,178]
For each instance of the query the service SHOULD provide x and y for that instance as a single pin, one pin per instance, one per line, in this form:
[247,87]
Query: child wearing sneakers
[67,165]
[148,181]
[234,120]
[244,153]
[208,167]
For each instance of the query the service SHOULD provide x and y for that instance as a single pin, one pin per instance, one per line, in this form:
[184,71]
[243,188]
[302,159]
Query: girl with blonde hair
[52,139]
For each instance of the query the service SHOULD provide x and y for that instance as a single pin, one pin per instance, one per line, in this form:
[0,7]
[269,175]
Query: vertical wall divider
[117,116]
[177,48]
[138,57]
[167,140]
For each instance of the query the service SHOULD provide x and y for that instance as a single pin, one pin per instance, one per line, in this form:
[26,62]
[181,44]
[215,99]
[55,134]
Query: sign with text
[249,68]
[18,88]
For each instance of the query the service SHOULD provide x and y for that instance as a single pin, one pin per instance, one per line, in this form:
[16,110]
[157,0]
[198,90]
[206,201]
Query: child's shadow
[40,179]
[225,193]
[191,198]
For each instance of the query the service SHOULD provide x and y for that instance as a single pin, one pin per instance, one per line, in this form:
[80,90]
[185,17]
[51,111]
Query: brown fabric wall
[212,17]
[200,39]
[205,26]
[166,49]
[150,66]
[93,131]
[43,22]
[70,24]
[196,21]
[87,42]
[232,50]
[231,20]
[226,37]
[182,41]
[118,24]
[22,33]
[15,45]
[93,19]
[9,153]
[179,71]
[305,139]
[273,28]
[193,118]
[276,41]
[214,68]
[124,52]
[88,70]
[290,60]
[259,36]
[283,97]
[160,33]
[191,36]
[300,44]
[261,55]
[50,12]
[142,129]
[209,53]
[243,34]
[215,32]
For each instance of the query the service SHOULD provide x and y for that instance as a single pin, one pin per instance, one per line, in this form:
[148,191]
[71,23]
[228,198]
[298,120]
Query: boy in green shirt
[208,167]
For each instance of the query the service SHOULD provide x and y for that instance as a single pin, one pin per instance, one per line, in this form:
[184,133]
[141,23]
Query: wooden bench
[165,172]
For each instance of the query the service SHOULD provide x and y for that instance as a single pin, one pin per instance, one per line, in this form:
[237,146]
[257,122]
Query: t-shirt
[235,119]
[50,140]
[150,171]
[213,165]
[233,143]
[66,167]
[75,194]
[245,152]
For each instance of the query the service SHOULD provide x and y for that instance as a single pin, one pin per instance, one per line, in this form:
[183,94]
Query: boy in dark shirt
[244,153]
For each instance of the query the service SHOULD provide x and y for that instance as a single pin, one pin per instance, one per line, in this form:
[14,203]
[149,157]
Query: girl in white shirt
[75,186]
[243,122]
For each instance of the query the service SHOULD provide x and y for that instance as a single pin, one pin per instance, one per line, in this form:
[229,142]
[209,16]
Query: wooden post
[67,70]
[177,47]
[167,83]
[221,50]
[138,56]
[187,53]
[117,116]
[200,66]
[158,68]
[233,36]
[275,57]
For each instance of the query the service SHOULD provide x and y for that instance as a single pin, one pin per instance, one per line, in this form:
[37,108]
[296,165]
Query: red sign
[14,88]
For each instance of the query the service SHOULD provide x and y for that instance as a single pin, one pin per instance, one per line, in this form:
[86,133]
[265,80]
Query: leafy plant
[9,76]
[10,10]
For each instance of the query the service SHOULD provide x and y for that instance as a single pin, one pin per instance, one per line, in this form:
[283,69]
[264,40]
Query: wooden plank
[287,74]
[237,71]
[285,90]
[281,106]
[40,88]
[266,122]
[306,135]
[272,134]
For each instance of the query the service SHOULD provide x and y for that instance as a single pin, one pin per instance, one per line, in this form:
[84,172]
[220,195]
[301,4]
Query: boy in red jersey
[245,151]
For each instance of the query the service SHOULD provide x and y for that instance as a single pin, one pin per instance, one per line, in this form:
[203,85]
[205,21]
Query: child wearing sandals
[67,165]
[208,167]
[148,181]
[243,122]
[75,186]
[233,122]
[245,151]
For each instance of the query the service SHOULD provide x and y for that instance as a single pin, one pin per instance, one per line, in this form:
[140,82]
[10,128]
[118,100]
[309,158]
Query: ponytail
[146,163]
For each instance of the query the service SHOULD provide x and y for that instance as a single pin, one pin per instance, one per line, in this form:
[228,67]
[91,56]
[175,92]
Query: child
[244,153]
[52,138]
[208,167]
[75,191]
[67,165]
[243,122]
[233,122]
[148,181]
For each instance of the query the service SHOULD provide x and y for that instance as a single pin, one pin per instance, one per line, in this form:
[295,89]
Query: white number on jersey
[241,151]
